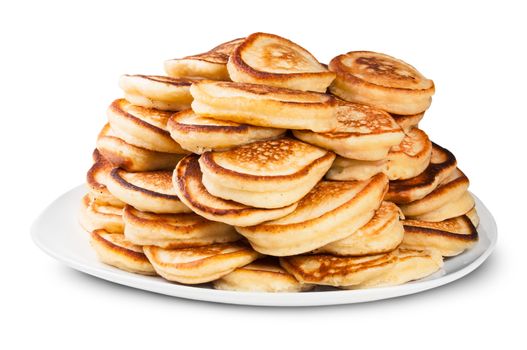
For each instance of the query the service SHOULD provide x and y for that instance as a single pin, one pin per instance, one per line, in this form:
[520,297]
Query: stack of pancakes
[257,168]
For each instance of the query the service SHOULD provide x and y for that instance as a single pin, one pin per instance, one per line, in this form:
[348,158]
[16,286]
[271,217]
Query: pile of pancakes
[257,168]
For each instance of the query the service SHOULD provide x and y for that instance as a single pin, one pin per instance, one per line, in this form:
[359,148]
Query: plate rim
[316,298]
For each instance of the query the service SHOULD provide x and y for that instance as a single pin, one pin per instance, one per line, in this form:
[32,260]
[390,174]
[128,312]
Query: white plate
[57,233]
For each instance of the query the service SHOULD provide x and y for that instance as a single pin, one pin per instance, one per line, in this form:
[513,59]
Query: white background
[60,63]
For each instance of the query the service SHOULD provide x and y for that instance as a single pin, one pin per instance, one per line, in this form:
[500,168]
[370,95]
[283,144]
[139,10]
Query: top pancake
[381,81]
[210,65]
[272,60]
[272,165]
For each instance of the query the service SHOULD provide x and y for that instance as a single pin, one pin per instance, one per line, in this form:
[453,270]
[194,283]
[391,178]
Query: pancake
[113,249]
[159,92]
[174,230]
[344,169]
[190,189]
[407,122]
[330,212]
[381,81]
[146,191]
[96,180]
[363,133]
[142,127]
[94,215]
[269,59]
[323,269]
[132,158]
[265,174]
[453,187]
[199,134]
[264,105]
[442,164]
[409,265]
[382,234]
[199,264]
[263,275]
[210,65]
[450,237]
[472,214]
[411,157]
[454,208]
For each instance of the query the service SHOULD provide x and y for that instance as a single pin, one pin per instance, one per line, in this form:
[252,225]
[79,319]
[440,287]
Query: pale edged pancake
[450,237]
[199,134]
[199,264]
[472,214]
[263,105]
[113,249]
[409,265]
[363,133]
[189,188]
[132,158]
[457,207]
[96,179]
[453,187]
[262,275]
[174,230]
[382,81]
[146,191]
[382,234]
[210,65]
[411,157]
[142,127]
[329,212]
[94,215]
[269,59]
[407,122]
[344,169]
[337,271]
[442,164]
[265,174]
[155,91]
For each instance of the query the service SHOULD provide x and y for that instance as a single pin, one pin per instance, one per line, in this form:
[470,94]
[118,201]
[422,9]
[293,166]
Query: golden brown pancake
[159,92]
[330,212]
[94,215]
[337,271]
[269,59]
[411,157]
[363,133]
[442,164]
[113,249]
[450,237]
[453,187]
[382,234]
[199,134]
[190,189]
[146,191]
[265,174]
[382,81]
[174,230]
[472,214]
[142,127]
[264,105]
[210,65]
[199,264]
[262,275]
[132,158]
[344,169]
[457,207]
[407,122]
[96,179]
[409,265]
